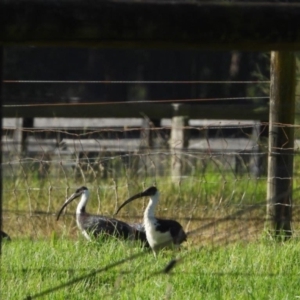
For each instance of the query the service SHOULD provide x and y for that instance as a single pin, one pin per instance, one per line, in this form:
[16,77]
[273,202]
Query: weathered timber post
[255,169]
[149,133]
[26,123]
[150,142]
[179,139]
[20,135]
[17,136]
[281,143]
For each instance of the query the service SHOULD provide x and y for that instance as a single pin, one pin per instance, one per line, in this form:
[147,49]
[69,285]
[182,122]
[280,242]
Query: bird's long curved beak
[69,200]
[136,196]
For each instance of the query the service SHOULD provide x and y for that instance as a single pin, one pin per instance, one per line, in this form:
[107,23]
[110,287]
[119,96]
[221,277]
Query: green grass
[30,205]
[256,270]
[207,189]
[226,260]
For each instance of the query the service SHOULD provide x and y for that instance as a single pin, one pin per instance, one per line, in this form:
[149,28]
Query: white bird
[95,224]
[159,232]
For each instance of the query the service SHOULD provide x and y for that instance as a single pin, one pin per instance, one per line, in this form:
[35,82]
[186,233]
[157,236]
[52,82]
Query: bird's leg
[86,235]
[177,247]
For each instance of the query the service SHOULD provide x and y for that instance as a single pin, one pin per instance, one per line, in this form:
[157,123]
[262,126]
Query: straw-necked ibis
[95,224]
[159,232]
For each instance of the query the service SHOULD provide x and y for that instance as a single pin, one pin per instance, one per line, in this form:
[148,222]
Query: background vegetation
[228,254]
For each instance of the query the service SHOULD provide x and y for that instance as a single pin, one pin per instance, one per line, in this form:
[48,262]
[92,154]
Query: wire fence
[219,194]
[222,169]
[212,175]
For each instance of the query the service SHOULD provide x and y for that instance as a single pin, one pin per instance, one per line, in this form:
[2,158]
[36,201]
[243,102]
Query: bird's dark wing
[178,235]
[99,224]
[139,233]
[175,229]
[138,226]
[110,226]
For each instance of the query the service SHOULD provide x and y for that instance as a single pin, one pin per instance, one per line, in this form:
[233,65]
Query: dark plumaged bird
[95,224]
[4,236]
[159,232]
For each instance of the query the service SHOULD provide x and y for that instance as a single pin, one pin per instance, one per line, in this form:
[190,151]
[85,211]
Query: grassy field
[256,270]
[30,205]
[227,256]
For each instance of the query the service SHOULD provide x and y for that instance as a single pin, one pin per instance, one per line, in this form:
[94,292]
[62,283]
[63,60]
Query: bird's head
[79,192]
[149,192]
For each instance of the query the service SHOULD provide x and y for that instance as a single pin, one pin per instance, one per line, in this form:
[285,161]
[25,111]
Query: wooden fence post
[254,161]
[20,135]
[179,139]
[281,143]
[26,123]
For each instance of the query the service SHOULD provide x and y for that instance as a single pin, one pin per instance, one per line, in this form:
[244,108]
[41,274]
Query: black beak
[148,192]
[69,200]
[139,195]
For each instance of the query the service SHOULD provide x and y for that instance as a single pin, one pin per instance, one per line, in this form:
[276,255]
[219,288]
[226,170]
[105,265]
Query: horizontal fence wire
[141,81]
[212,178]
[214,185]
[223,171]
[112,102]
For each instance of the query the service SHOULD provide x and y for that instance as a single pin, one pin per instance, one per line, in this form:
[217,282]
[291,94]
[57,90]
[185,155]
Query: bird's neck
[150,209]
[82,204]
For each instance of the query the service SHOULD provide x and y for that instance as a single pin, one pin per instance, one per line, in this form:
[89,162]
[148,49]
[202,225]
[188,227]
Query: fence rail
[161,24]
[138,109]
[98,137]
